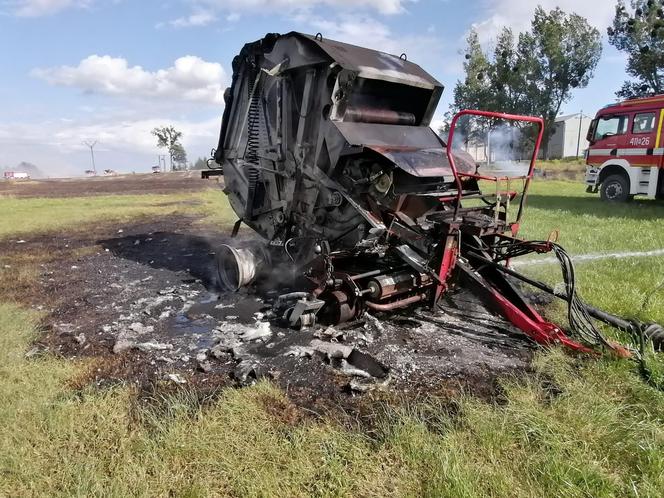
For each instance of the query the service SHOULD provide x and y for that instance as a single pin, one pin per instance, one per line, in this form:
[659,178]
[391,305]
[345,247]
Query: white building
[569,137]
[16,175]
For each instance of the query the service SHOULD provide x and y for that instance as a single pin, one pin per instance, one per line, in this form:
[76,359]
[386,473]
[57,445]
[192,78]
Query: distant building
[569,137]
[15,175]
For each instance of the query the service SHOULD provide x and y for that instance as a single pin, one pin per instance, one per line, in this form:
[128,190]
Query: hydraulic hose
[651,331]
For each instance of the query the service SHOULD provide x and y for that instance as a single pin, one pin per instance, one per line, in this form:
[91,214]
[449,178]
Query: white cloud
[190,78]
[123,144]
[36,8]
[366,31]
[517,14]
[382,6]
[196,19]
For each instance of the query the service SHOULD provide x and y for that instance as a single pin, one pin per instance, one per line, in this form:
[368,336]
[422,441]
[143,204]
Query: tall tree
[533,74]
[640,35]
[179,157]
[474,92]
[169,138]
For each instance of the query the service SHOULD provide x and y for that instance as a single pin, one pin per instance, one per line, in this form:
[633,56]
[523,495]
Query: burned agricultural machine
[326,152]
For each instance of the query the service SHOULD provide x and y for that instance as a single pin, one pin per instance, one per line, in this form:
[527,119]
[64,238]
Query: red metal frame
[522,316]
[450,253]
[495,115]
[536,327]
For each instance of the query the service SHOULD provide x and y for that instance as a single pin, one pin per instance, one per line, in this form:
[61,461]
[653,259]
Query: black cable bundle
[580,321]
[580,315]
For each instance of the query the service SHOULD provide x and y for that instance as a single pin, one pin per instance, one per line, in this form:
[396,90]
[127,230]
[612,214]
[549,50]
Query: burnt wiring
[580,322]
[579,313]
[292,239]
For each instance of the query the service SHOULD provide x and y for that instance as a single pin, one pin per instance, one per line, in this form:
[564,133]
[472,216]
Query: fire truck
[626,152]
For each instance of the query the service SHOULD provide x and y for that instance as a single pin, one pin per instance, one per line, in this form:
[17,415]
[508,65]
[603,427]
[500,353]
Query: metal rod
[371,273]
[402,303]
[598,314]
[578,141]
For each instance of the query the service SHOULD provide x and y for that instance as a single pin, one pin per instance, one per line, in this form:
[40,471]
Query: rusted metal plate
[374,64]
[426,162]
[385,135]
[415,149]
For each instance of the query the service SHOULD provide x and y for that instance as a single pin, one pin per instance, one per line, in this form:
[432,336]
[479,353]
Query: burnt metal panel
[426,162]
[369,134]
[308,120]
[374,64]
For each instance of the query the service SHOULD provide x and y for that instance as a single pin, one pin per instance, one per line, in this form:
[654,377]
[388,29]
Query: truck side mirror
[590,136]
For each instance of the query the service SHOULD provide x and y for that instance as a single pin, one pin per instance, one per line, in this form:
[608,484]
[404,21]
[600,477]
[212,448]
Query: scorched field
[117,377]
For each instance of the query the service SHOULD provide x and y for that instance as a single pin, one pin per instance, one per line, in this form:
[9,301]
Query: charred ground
[141,302]
[81,420]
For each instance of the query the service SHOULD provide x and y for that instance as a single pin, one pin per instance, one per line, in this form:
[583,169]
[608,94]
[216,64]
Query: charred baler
[326,153]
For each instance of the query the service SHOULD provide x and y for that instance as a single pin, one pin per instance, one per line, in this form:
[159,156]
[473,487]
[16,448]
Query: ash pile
[189,334]
[418,349]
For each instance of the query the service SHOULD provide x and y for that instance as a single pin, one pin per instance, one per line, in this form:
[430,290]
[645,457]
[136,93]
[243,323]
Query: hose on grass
[647,332]
[581,322]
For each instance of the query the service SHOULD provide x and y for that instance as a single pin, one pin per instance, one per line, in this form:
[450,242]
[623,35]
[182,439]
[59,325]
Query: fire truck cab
[626,152]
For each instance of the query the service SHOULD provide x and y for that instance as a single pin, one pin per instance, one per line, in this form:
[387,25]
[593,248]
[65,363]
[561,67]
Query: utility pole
[578,141]
[91,145]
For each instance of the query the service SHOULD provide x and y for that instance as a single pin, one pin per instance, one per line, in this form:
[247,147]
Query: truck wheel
[615,189]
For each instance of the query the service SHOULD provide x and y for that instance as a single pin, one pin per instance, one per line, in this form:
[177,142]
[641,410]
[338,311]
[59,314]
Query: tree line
[535,72]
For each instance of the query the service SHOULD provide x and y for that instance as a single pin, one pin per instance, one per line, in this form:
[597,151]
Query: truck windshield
[611,125]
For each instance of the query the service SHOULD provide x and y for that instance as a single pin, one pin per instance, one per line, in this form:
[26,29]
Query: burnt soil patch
[141,303]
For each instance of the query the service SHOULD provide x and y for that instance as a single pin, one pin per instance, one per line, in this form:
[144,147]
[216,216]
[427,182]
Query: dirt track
[144,302]
[161,183]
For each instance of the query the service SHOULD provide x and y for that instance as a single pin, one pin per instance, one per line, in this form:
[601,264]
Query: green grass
[576,427]
[28,216]
[588,225]
[598,434]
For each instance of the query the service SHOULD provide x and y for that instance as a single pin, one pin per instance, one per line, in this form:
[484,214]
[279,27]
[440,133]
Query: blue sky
[111,70]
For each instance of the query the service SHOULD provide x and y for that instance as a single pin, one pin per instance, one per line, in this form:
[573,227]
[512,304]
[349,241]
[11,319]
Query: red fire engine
[626,150]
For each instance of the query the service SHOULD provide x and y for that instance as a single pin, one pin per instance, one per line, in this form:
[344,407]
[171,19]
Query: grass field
[568,169]
[576,427]
[44,215]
